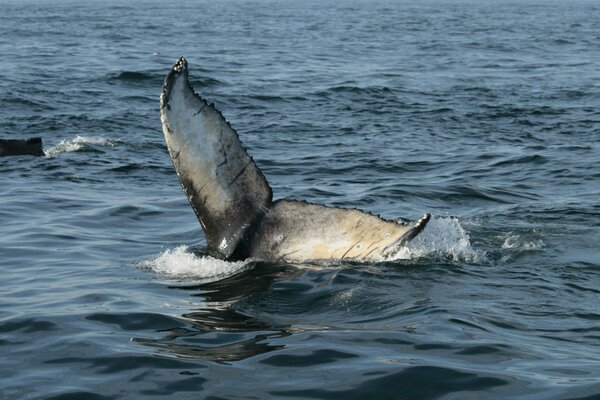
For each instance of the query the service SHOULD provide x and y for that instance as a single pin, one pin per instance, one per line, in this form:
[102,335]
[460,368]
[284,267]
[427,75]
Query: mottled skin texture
[225,188]
[295,230]
[233,200]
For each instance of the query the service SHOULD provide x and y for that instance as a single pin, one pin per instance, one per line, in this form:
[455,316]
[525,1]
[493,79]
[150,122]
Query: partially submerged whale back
[233,200]
[21,147]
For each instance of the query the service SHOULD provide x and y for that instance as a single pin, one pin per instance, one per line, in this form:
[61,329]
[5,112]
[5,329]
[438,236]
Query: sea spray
[443,236]
[77,143]
[180,262]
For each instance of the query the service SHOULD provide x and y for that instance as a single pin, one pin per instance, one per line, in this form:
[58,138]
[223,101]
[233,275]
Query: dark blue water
[486,114]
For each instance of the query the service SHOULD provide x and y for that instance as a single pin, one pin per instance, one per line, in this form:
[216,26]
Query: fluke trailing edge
[234,202]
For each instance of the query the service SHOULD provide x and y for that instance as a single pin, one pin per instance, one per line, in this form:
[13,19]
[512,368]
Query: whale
[21,147]
[234,202]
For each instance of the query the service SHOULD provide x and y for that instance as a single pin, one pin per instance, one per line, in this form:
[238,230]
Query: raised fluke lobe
[225,188]
[233,200]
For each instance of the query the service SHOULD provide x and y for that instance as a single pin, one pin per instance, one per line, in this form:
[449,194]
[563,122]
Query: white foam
[514,242]
[441,237]
[182,263]
[75,144]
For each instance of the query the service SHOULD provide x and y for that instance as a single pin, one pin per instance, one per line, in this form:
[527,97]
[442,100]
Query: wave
[77,143]
[180,262]
[133,76]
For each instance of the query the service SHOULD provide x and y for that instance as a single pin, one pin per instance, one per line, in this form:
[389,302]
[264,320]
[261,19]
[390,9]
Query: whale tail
[233,200]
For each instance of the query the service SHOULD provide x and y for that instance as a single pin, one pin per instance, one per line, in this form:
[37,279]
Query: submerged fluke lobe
[233,200]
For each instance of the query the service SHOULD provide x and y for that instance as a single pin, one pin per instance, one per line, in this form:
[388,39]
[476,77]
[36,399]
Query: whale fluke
[223,184]
[234,203]
[21,147]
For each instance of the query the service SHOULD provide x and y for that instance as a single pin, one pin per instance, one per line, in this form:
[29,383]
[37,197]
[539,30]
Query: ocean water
[484,113]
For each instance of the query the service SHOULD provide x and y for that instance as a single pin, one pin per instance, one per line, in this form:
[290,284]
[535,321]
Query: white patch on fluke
[181,263]
[443,237]
[75,144]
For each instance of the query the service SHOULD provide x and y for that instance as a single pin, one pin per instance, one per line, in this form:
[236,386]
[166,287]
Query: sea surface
[484,113]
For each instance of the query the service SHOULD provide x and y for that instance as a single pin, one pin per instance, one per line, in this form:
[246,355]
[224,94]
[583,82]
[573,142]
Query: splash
[442,237]
[76,144]
[514,242]
[182,263]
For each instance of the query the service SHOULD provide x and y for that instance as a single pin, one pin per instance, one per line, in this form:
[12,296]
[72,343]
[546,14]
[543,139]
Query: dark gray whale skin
[21,147]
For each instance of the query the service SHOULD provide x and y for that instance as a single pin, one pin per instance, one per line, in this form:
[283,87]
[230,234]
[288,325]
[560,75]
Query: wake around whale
[234,203]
